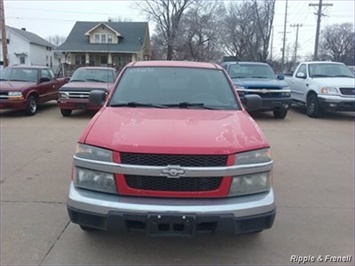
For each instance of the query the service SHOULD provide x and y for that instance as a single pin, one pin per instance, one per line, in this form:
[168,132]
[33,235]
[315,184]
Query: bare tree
[264,11]
[199,32]
[247,29]
[56,40]
[167,15]
[337,43]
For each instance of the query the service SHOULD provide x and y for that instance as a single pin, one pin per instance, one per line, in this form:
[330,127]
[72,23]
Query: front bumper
[336,103]
[13,104]
[162,216]
[77,104]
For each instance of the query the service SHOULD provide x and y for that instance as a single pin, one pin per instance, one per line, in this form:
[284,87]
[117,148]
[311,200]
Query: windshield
[93,75]
[251,71]
[174,87]
[329,70]
[19,74]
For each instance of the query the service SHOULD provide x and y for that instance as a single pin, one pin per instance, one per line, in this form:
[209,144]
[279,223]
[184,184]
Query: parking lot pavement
[313,181]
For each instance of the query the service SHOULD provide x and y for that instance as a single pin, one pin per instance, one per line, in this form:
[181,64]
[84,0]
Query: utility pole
[319,16]
[3,34]
[296,43]
[284,39]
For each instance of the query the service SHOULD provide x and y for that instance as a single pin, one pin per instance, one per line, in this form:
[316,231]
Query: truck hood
[258,82]
[15,85]
[85,86]
[174,131]
[335,82]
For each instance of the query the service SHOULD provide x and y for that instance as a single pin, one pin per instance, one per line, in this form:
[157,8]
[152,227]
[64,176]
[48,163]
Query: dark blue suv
[259,78]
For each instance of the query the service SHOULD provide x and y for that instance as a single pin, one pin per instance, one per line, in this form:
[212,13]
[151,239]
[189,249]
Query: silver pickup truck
[323,87]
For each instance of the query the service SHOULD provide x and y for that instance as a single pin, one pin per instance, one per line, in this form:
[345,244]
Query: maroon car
[24,87]
[75,94]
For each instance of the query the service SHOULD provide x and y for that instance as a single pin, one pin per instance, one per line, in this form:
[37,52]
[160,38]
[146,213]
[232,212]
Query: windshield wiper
[259,77]
[4,79]
[188,105]
[76,80]
[95,80]
[343,76]
[320,76]
[137,104]
[238,77]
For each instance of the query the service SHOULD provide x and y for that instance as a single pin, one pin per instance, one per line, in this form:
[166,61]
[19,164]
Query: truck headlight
[255,182]
[252,157]
[63,95]
[94,180]
[93,153]
[329,90]
[15,95]
[250,184]
[287,91]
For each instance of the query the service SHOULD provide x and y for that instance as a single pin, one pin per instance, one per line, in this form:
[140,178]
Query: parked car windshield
[329,70]
[19,74]
[251,71]
[93,75]
[174,87]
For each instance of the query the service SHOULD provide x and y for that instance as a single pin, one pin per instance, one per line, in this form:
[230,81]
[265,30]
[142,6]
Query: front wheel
[65,112]
[31,106]
[280,114]
[312,106]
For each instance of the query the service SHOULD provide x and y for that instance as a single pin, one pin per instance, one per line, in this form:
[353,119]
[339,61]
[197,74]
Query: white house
[27,48]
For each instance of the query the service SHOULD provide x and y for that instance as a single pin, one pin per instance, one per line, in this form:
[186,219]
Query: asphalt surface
[313,182]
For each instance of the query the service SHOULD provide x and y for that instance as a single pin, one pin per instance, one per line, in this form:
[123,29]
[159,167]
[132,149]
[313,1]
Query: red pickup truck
[24,87]
[75,94]
[172,152]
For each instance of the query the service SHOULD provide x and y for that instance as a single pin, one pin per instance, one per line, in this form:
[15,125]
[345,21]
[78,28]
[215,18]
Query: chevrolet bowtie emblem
[173,171]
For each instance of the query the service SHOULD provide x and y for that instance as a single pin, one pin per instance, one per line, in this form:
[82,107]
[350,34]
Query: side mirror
[252,102]
[280,77]
[97,97]
[301,75]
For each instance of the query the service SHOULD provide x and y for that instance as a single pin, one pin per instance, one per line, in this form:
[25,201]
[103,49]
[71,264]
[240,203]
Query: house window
[109,38]
[103,38]
[22,60]
[97,38]
[104,60]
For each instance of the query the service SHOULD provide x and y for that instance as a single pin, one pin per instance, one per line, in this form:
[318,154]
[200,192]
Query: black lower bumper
[172,224]
[327,105]
[271,104]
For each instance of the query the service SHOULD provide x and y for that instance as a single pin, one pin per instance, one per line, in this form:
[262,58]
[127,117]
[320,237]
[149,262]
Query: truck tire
[313,108]
[280,113]
[65,112]
[31,106]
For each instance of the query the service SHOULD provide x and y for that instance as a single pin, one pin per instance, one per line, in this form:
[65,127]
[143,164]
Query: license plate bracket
[171,225]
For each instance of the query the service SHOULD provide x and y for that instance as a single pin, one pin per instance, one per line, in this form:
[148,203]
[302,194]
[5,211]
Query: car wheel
[88,229]
[312,106]
[280,114]
[65,112]
[31,106]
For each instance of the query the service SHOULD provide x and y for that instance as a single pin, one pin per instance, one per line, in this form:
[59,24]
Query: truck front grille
[264,93]
[78,94]
[4,95]
[182,184]
[347,91]
[173,159]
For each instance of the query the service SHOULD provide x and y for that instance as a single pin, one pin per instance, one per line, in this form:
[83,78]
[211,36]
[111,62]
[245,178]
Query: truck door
[47,86]
[299,83]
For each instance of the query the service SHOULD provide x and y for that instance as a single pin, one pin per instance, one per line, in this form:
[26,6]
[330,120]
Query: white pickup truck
[323,86]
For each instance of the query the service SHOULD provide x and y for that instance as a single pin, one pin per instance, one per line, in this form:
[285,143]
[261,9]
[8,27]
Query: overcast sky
[49,18]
